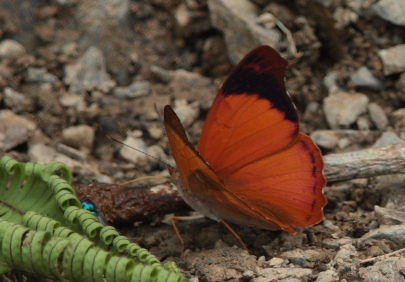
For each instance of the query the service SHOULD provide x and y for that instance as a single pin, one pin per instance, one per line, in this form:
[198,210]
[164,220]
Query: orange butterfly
[253,166]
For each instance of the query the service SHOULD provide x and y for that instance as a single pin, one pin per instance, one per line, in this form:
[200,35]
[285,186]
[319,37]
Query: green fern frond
[45,231]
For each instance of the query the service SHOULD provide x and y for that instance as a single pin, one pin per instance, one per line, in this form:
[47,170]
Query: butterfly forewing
[253,166]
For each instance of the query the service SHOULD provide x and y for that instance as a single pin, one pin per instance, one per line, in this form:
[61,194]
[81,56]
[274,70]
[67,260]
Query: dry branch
[365,163]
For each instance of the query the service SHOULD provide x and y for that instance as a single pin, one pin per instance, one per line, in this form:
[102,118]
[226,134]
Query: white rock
[89,73]
[328,276]
[391,10]
[10,49]
[80,136]
[378,116]
[342,109]
[237,20]
[364,78]
[393,59]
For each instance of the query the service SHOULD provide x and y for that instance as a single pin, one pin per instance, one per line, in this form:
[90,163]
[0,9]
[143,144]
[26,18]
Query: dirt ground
[175,52]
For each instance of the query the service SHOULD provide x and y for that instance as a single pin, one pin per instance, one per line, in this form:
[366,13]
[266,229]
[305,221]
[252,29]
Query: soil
[150,44]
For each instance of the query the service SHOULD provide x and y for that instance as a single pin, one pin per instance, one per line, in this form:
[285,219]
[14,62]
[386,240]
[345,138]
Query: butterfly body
[253,166]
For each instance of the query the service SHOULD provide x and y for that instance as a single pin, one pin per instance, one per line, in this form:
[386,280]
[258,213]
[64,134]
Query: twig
[365,163]
[382,256]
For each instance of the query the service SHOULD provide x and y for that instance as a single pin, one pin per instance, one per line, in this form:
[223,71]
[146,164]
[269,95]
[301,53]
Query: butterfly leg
[234,233]
[176,229]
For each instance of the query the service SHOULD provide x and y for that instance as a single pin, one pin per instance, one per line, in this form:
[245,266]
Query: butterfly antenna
[150,156]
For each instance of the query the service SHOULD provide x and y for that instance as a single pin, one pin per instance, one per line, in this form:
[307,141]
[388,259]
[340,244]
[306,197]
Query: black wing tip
[262,72]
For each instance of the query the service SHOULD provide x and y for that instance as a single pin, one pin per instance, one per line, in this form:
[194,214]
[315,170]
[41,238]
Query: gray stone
[378,116]
[325,138]
[328,276]
[40,75]
[277,274]
[134,90]
[384,271]
[393,233]
[393,59]
[387,216]
[330,81]
[17,101]
[364,78]
[89,73]
[387,138]
[342,109]
[187,113]
[347,260]
[237,20]
[400,84]
[391,10]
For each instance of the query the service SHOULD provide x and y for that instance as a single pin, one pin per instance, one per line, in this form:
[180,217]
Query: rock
[80,137]
[276,262]
[364,78]
[347,260]
[328,276]
[134,90]
[17,101]
[330,82]
[276,274]
[304,258]
[391,10]
[342,109]
[325,138]
[43,154]
[393,233]
[378,116]
[343,17]
[237,21]
[14,130]
[384,271]
[72,100]
[387,216]
[182,82]
[10,49]
[391,59]
[186,113]
[89,73]
[140,154]
[387,138]
[40,75]
[400,84]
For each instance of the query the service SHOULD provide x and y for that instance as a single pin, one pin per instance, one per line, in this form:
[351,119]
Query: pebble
[347,260]
[79,137]
[363,77]
[72,100]
[89,73]
[43,154]
[342,109]
[327,139]
[390,59]
[187,113]
[400,84]
[134,90]
[387,138]
[386,216]
[384,271]
[391,10]
[393,233]
[14,130]
[39,75]
[330,82]
[329,275]
[276,274]
[236,19]
[10,49]
[276,262]
[17,101]
[304,258]
[181,82]
[378,116]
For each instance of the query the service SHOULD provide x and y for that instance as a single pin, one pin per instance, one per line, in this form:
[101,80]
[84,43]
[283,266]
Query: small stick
[365,163]
[382,256]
